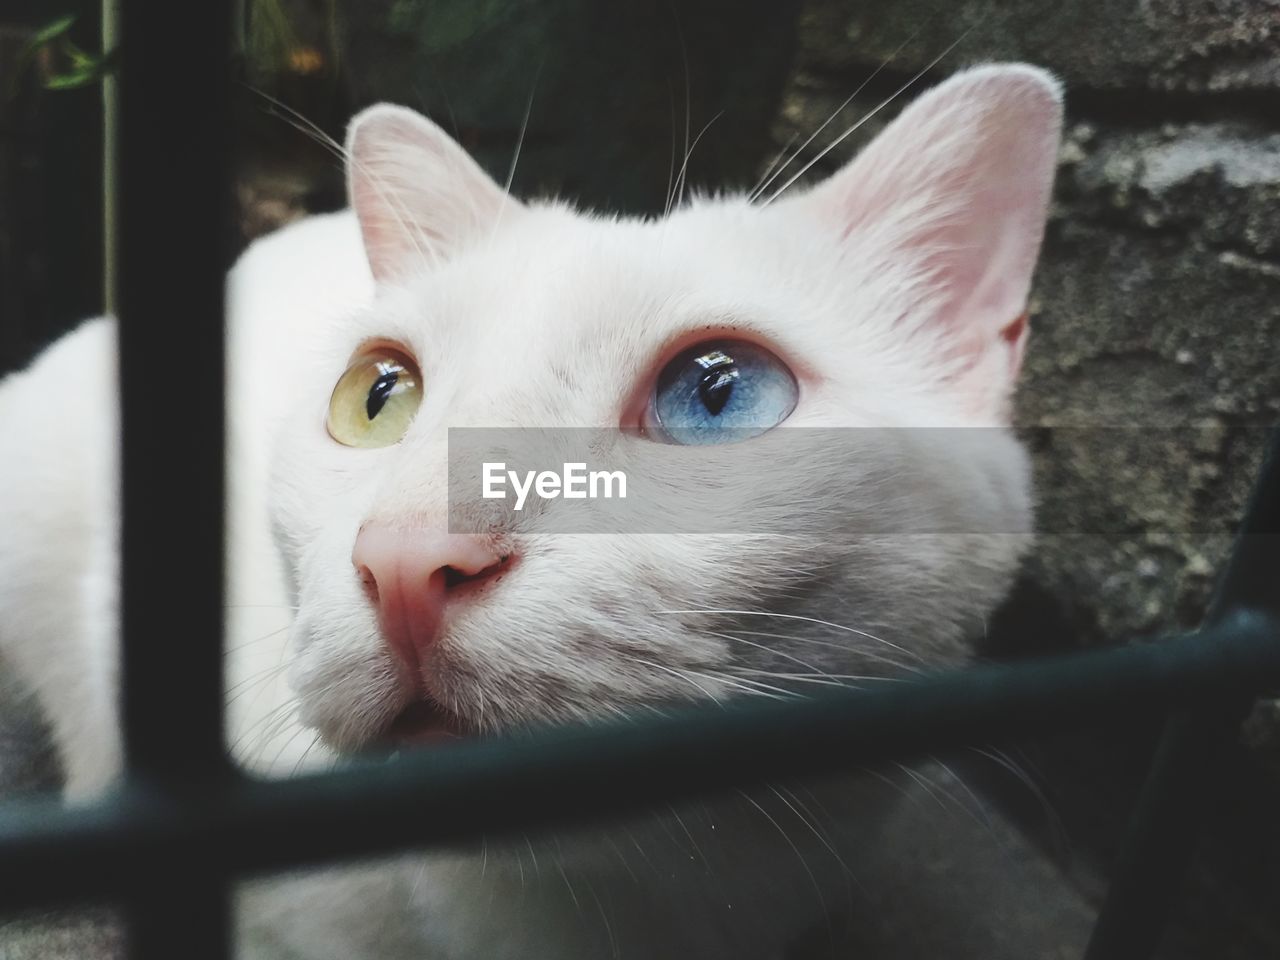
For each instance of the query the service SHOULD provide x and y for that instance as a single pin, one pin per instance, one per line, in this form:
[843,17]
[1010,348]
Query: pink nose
[411,574]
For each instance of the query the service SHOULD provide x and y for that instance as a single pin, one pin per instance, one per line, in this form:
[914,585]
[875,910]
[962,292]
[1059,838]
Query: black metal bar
[1174,804]
[186,911]
[171,231]
[560,777]
[173,201]
[173,193]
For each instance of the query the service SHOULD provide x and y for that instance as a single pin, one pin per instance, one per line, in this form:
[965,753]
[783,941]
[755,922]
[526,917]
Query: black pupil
[379,393]
[715,387]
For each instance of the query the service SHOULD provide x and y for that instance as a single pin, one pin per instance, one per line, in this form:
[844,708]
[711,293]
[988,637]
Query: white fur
[889,291]
[58,555]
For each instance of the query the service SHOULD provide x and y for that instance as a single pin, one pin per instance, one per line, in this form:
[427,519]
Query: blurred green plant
[65,66]
[282,38]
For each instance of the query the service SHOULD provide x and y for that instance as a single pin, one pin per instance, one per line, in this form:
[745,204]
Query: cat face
[890,297]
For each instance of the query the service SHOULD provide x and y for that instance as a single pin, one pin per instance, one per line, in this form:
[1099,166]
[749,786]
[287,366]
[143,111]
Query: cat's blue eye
[720,391]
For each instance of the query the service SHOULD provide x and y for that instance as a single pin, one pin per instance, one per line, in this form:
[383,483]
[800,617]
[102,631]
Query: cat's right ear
[418,196]
[952,198]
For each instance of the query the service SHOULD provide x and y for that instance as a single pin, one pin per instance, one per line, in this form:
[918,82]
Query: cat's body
[57,588]
[892,292]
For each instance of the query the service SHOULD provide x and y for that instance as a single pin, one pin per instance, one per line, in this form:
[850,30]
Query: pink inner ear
[987,252]
[956,190]
[418,196]
[1014,337]
[981,258]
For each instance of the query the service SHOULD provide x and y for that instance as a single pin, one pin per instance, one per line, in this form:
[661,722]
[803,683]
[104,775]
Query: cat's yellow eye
[375,400]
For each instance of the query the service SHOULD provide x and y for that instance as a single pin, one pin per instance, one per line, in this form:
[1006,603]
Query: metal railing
[185,824]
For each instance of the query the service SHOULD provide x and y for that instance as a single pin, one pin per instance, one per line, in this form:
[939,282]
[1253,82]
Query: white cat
[893,295]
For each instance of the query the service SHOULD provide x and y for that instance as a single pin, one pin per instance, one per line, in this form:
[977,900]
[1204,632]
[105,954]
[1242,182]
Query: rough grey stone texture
[83,935]
[1191,45]
[1156,311]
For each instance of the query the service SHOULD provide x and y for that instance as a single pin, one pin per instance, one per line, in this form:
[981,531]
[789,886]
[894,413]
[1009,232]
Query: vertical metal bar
[110,99]
[185,916]
[1174,802]
[173,195]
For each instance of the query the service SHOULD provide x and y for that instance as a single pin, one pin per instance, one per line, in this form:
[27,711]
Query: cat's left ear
[954,194]
[418,196]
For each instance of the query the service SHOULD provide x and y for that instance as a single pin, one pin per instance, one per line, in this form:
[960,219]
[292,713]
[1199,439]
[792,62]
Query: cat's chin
[422,722]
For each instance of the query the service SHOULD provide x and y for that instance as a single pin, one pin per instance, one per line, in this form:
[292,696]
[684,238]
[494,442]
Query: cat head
[888,299]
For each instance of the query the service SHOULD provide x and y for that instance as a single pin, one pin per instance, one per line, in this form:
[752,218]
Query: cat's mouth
[423,722]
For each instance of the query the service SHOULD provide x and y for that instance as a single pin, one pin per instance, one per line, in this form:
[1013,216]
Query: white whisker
[515,158]
[791,843]
[404,218]
[621,858]
[764,185]
[924,783]
[874,110]
[537,872]
[766,177]
[677,673]
[684,167]
[802,619]
[979,809]
[688,111]
[1052,817]
[252,681]
[766,648]
[811,827]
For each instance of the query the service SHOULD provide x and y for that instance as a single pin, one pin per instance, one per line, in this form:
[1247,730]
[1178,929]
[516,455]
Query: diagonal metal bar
[562,777]
[1175,801]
